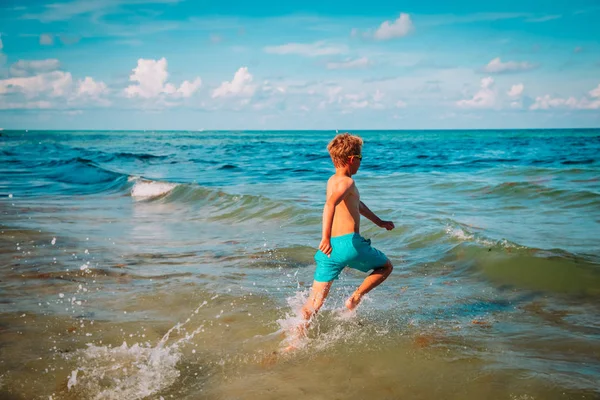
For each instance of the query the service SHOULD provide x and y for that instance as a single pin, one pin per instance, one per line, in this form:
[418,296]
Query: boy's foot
[352,302]
[296,336]
[294,343]
[291,347]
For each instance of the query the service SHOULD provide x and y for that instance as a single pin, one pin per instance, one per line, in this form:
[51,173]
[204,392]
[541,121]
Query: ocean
[166,265]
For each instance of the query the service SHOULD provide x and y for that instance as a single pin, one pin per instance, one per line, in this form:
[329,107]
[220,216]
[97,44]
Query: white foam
[72,379]
[125,372]
[464,236]
[458,233]
[150,189]
[129,372]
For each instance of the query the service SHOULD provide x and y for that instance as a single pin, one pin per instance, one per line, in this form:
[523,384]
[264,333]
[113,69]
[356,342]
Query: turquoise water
[113,237]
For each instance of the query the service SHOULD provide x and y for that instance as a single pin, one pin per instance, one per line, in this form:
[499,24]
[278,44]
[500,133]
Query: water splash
[329,327]
[129,372]
[292,324]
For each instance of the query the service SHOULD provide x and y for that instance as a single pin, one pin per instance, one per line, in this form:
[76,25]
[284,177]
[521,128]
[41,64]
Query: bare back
[346,218]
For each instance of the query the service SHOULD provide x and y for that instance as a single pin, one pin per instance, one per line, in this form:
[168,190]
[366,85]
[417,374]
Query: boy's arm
[370,215]
[338,192]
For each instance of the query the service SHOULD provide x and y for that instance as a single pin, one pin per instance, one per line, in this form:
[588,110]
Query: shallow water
[159,264]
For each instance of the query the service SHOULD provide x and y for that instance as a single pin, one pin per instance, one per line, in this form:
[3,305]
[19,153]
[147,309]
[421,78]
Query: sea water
[170,265]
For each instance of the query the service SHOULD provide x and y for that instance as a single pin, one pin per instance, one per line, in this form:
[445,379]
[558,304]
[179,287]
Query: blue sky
[183,64]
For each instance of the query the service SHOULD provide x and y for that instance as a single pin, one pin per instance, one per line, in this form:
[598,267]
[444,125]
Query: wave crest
[144,189]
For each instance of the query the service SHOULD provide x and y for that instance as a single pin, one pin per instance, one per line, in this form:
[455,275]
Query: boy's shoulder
[335,180]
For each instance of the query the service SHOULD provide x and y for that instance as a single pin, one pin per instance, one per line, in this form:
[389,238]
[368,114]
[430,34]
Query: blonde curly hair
[342,147]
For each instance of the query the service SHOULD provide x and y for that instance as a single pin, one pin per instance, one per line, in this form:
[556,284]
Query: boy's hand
[389,225]
[325,246]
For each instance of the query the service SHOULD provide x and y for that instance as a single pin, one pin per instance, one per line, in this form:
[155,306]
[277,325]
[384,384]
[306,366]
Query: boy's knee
[388,267]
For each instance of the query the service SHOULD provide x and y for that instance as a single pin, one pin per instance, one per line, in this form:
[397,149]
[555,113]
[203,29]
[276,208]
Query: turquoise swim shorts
[350,250]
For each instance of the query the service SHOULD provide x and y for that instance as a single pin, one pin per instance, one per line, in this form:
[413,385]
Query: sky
[269,65]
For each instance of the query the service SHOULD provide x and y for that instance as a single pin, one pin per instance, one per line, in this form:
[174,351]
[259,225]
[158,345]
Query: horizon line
[295,130]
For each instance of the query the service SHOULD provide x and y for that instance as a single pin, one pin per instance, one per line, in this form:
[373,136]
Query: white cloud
[188,88]
[332,93]
[29,105]
[269,88]
[484,98]
[358,104]
[357,63]
[547,102]
[336,98]
[67,10]
[515,95]
[28,68]
[378,95]
[516,90]
[2,56]
[48,89]
[496,66]
[353,97]
[90,88]
[46,39]
[399,28]
[590,105]
[215,39]
[451,19]
[53,84]
[349,96]
[307,49]
[68,40]
[595,92]
[241,85]
[151,77]
[544,18]
[129,42]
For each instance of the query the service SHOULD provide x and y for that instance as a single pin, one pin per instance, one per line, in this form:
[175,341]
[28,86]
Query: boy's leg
[372,281]
[317,296]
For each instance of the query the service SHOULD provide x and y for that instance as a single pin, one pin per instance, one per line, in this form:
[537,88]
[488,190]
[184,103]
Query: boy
[341,244]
